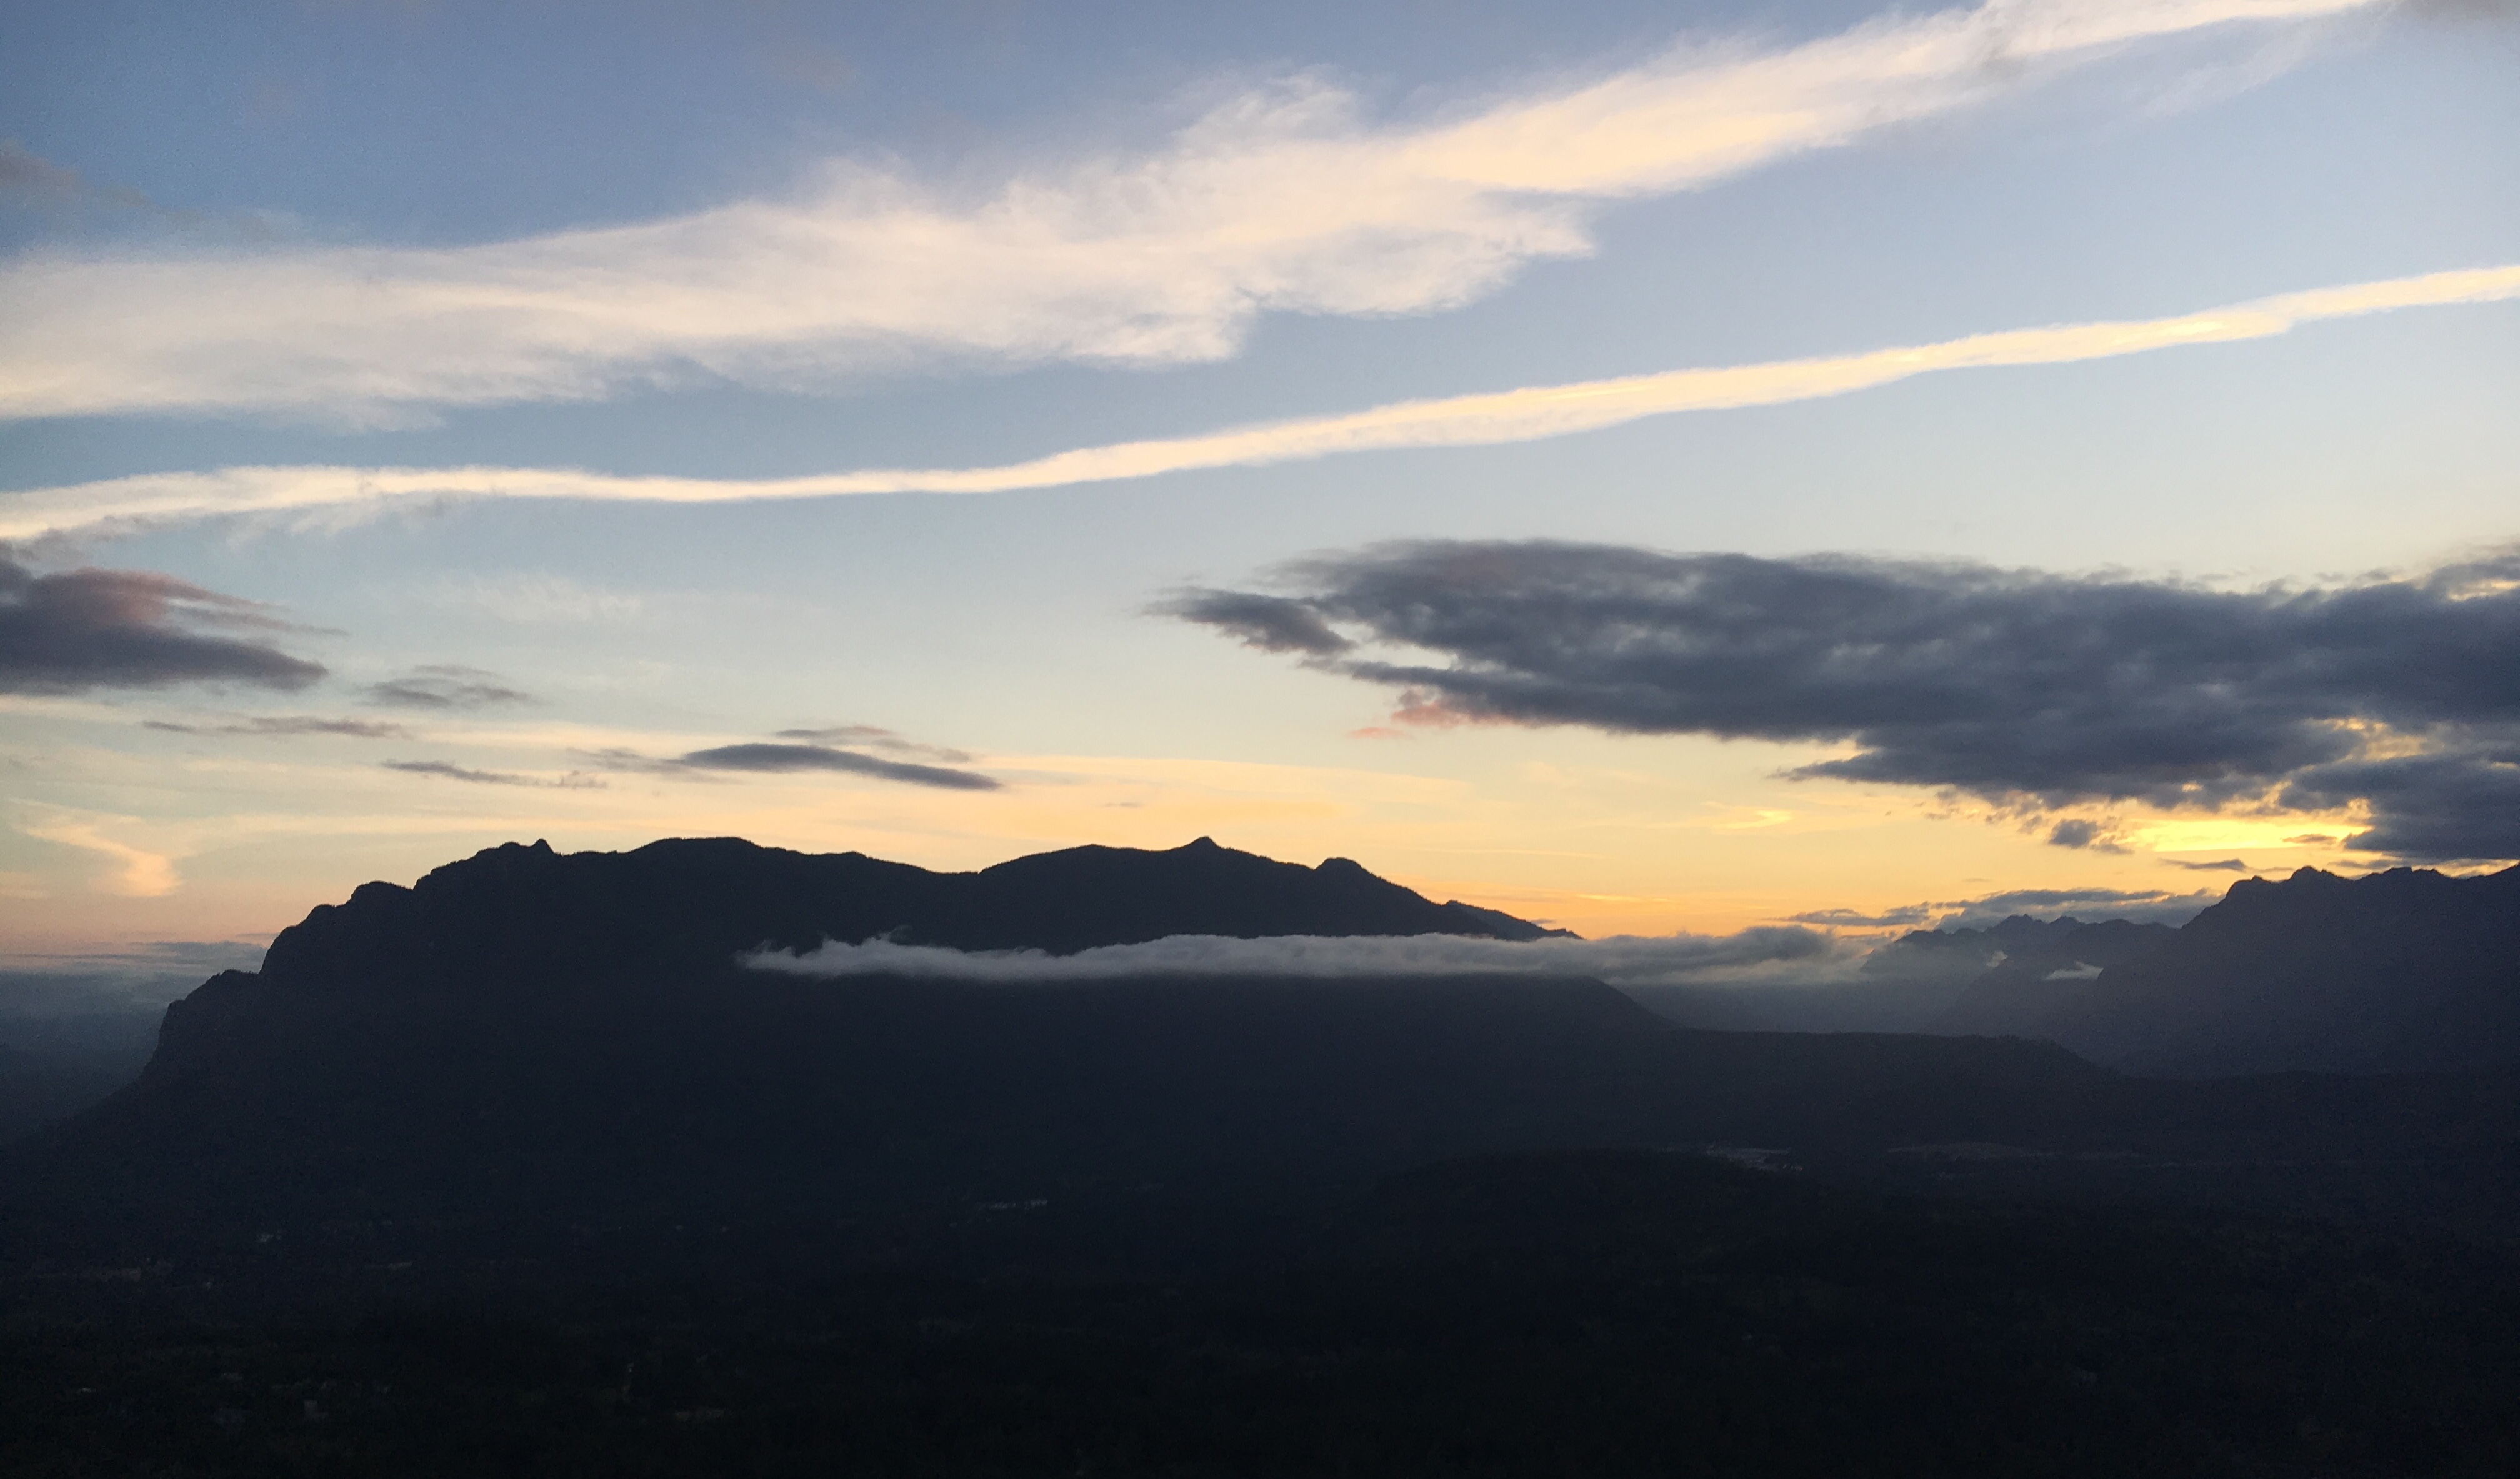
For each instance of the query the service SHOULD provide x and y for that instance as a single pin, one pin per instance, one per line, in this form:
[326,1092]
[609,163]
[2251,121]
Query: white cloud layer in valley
[1762,953]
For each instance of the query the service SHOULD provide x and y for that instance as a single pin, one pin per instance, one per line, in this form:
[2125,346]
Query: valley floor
[1581,1313]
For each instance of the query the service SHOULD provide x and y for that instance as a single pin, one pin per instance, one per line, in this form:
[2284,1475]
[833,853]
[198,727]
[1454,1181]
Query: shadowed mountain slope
[2395,971]
[2018,994]
[532,1040]
[525,1031]
[1993,983]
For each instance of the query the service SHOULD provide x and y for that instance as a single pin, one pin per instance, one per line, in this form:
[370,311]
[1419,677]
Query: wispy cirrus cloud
[285,726]
[1286,200]
[789,759]
[1488,418]
[446,770]
[445,686]
[136,871]
[878,738]
[29,178]
[802,752]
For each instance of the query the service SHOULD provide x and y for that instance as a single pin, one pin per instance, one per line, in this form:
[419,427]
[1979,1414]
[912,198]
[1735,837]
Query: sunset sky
[1644,468]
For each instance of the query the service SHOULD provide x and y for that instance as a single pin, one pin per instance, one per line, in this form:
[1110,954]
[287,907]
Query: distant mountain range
[567,1040]
[520,1161]
[2395,971]
[2407,970]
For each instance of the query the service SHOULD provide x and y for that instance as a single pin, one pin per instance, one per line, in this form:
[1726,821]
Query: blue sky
[778,242]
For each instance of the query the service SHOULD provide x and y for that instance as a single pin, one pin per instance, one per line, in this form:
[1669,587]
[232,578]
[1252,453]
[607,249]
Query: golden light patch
[2235,833]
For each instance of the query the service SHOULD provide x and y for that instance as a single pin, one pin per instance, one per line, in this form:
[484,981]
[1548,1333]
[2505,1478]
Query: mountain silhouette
[528,1039]
[681,905]
[527,1026]
[2398,971]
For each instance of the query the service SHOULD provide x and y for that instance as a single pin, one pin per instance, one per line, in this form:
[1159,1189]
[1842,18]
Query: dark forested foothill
[1578,1313]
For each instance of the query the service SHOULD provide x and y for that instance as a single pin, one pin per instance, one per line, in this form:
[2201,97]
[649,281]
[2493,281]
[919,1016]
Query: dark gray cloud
[445,686]
[287,723]
[2015,686]
[1269,623]
[573,781]
[2219,864]
[2458,803]
[787,758]
[73,631]
[2078,831]
[873,736]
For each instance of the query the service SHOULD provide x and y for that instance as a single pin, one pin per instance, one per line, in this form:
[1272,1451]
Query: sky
[1649,469]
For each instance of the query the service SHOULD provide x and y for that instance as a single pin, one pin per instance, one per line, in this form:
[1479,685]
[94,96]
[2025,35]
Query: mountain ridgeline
[2407,970]
[527,1038]
[682,906]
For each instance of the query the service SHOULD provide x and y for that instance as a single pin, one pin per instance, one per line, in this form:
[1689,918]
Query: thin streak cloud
[137,874]
[573,781]
[1530,414]
[1285,199]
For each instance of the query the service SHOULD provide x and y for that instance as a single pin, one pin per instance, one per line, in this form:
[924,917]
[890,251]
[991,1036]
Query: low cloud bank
[2141,906]
[2090,905]
[141,977]
[1763,955]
